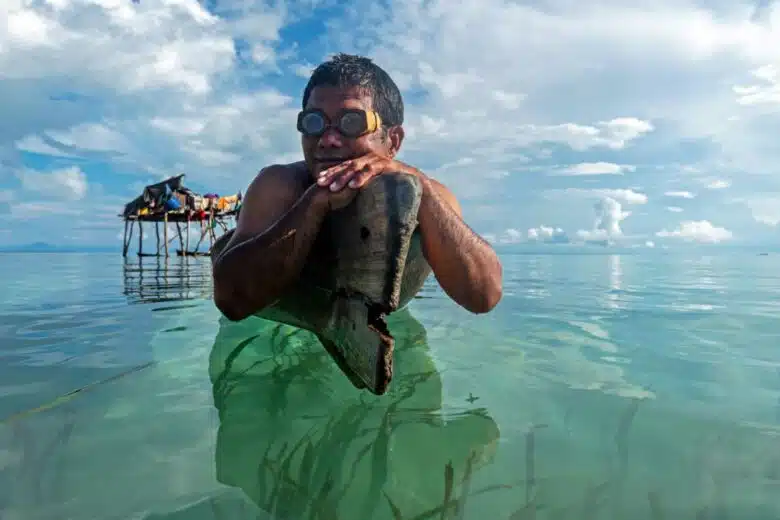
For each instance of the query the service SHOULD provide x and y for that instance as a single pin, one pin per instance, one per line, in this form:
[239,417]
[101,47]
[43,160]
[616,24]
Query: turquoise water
[602,387]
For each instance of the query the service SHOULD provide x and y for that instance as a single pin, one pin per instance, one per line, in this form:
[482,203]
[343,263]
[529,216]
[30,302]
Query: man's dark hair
[347,70]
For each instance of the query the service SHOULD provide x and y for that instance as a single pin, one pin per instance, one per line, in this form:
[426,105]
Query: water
[603,386]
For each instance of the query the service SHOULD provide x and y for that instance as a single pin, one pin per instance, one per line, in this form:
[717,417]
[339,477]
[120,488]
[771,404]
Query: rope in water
[73,393]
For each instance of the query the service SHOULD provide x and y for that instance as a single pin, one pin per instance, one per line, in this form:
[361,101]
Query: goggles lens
[352,123]
[313,123]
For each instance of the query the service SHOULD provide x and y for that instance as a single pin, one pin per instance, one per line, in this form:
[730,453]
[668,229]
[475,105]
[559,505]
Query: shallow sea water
[602,387]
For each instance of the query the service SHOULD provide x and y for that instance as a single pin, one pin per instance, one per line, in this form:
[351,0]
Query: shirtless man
[351,127]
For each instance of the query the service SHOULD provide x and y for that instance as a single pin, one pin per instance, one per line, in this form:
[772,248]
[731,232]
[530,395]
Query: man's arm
[274,233]
[465,266]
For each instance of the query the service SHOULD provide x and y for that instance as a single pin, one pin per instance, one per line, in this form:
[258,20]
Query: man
[351,127]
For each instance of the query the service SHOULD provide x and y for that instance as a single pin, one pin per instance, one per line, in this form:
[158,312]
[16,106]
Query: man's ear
[395,136]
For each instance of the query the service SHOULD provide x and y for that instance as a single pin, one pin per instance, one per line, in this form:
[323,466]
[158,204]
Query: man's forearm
[465,266]
[253,273]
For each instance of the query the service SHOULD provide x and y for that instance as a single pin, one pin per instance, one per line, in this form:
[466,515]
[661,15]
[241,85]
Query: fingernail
[334,187]
[321,180]
[352,184]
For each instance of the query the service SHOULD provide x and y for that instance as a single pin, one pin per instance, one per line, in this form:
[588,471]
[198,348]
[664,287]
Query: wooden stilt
[211,230]
[165,231]
[157,238]
[181,238]
[124,239]
[187,238]
[130,234]
[140,239]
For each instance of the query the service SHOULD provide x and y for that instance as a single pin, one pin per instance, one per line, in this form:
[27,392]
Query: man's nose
[331,139]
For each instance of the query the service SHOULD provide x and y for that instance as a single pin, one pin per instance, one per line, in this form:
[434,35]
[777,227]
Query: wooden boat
[367,262]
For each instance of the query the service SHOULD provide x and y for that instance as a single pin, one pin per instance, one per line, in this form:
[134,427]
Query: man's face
[331,147]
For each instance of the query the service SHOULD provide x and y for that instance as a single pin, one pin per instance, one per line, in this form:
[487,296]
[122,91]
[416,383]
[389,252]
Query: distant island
[44,247]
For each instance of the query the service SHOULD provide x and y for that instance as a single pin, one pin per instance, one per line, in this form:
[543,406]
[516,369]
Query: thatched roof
[171,196]
[155,195]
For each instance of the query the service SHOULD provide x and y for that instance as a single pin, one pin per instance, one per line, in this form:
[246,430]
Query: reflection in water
[634,415]
[615,282]
[298,439]
[161,279]
[539,270]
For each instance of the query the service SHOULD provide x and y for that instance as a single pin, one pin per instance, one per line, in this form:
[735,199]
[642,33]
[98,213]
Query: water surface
[603,386]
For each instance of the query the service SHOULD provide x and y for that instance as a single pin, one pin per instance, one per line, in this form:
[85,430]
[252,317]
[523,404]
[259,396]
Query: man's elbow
[490,292]
[235,302]
[226,298]
[229,306]
[487,298]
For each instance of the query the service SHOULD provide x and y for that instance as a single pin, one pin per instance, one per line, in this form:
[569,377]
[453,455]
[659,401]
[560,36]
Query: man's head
[345,83]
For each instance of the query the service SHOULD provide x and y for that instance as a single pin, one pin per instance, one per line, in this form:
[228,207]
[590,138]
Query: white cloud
[674,209]
[149,65]
[697,231]
[90,137]
[680,194]
[766,89]
[67,183]
[609,215]
[36,144]
[765,209]
[166,86]
[509,100]
[508,236]
[541,234]
[626,196]
[718,184]
[547,234]
[597,168]
[30,210]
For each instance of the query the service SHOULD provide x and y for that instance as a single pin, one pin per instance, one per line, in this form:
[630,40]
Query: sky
[649,124]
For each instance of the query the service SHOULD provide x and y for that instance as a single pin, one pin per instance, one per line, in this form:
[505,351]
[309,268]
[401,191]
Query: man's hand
[357,172]
[335,200]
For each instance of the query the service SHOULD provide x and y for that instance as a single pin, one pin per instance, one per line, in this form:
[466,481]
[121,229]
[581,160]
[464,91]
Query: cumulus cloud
[701,231]
[546,234]
[541,234]
[597,168]
[765,209]
[764,91]
[674,95]
[680,194]
[508,236]
[626,196]
[161,65]
[609,215]
[66,183]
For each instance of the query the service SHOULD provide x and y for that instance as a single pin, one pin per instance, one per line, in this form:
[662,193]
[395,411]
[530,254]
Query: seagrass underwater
[638,386]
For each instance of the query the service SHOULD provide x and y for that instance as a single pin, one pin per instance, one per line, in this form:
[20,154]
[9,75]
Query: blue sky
[551,120]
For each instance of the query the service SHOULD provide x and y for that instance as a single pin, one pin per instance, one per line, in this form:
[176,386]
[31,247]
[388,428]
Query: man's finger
[329,175]
[342,179]
[337,167]
[362,177]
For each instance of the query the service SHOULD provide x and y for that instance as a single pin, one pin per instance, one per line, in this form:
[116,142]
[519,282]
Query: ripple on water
[594,376]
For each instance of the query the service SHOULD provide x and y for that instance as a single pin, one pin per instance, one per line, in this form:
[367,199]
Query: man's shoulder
[295,172]
[293,176]
[445,193]
[441,189]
